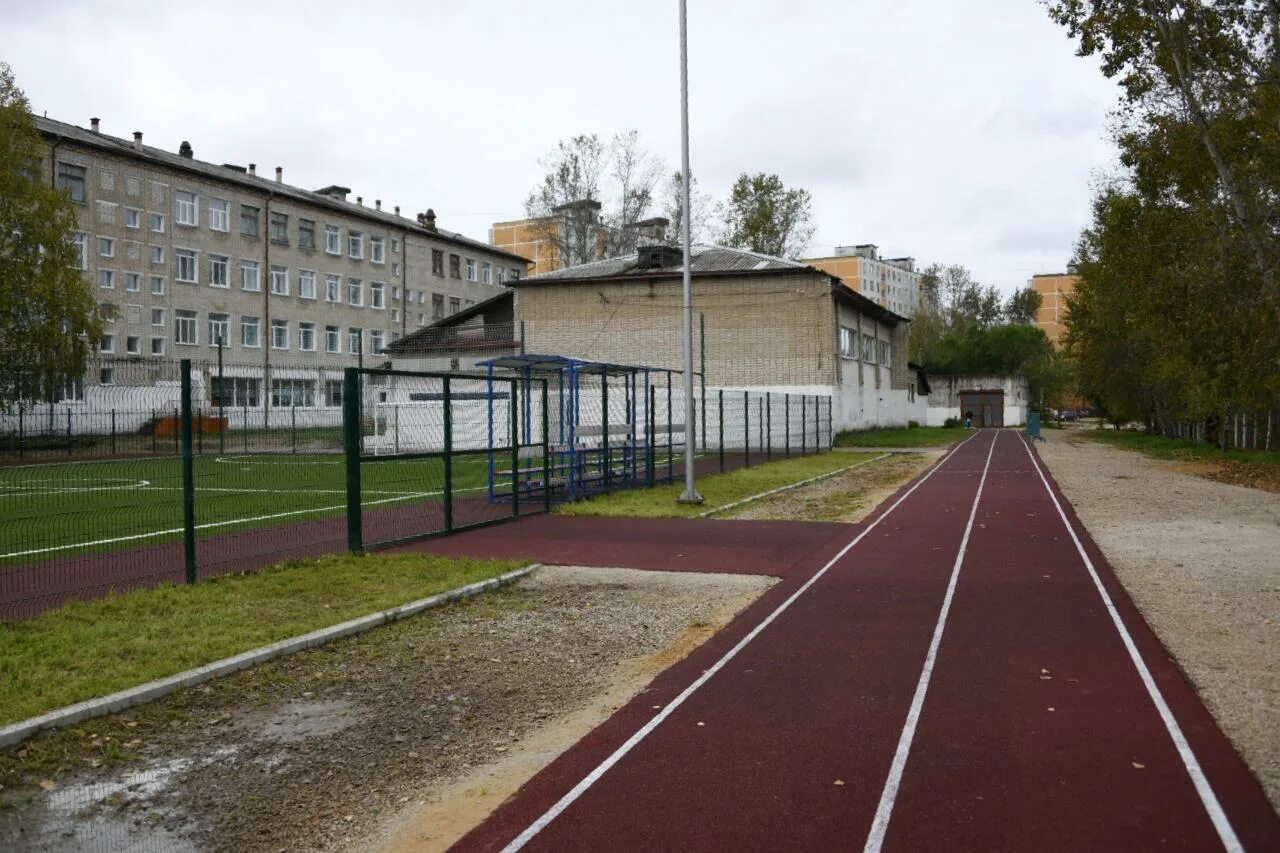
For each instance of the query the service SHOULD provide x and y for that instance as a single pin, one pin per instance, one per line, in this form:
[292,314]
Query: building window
[437,306]
[107,376]
[395,315]
[107,279]
[157,346]
[218,275]
[471,269]
[355,292]
[157,254]
[395,269]
[332,288]
[248,221]
[377,295]
[437,262]
[219,215]
[249,279]
[355,244]
[422,319]
[455,305]
[377,341]
[279,280]
[107,344]
[157,223]
[218,329]
[71,178]
[157,317]
[486,273]
[515,275]
[395,245]
[287,393]
[333,393]
[235,391]
[307,337]
[501,275]
[455,266]
[106,247]
[249,332]
[71,391]
[184,265]
[279,334]
[355,340]
[377,249]
[306,234]
[157,285]
[332,339]
[884,353]
[132,217]
[332,240]
[868,348]
[184,327]
[81,241]
[280,228]
[395,293]
[184,208]
[848,342]
[133,345]
[306,284]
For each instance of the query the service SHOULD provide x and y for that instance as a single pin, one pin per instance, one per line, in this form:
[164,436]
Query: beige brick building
[891,282]
[1054,290]
[296,284]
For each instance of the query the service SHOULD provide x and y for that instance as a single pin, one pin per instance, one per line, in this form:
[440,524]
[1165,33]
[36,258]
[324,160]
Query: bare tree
[701,208]
[635,174]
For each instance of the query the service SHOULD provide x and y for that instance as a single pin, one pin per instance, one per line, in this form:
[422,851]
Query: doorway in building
[987,407]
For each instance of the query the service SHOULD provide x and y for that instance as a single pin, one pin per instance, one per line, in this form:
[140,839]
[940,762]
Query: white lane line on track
[591,778]
[880,825]
[1226,833]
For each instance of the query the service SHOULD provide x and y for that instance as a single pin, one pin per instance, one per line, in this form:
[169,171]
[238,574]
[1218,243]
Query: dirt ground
[846,497]
[1201,559]
[359,742]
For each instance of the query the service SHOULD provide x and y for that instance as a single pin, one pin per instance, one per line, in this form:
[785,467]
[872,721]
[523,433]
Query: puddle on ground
[297,720]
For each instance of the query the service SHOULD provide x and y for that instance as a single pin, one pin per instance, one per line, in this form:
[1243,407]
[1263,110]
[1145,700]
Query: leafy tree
[1022,306]
[591,194]
[762,215]
[49,320]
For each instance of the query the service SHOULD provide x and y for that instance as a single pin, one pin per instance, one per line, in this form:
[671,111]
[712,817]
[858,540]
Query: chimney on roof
[137,140]
[360,200]
[253,168]
[429,219]
[397,210]
[279,174]
[334,191]
[184,150]
[377,204]
[93,124]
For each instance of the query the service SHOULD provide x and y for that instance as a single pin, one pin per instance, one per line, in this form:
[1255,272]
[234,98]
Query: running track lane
[820,697]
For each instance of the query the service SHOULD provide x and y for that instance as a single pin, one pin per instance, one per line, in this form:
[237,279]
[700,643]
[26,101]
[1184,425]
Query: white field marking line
[591,778]
[880,825]
[31,488]
[791,486]
[1210,800]
[285,459]
[213,524]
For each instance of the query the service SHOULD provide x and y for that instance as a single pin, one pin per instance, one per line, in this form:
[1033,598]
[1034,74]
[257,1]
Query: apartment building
[891,282]
[188,257]
[578,222]
[1054,289]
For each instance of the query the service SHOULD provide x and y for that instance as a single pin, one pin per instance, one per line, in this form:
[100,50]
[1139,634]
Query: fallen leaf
[48,784]
[1051,708]
[839,782]
[1138,766]
[701,723]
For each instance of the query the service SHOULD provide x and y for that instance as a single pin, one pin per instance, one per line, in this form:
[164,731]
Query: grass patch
[1176,448]
[91,649]
[900,437]
[717,489]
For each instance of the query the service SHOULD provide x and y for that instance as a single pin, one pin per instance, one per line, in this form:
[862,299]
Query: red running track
[951,678]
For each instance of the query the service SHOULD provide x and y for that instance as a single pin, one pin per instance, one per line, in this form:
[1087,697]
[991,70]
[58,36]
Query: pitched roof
[705,260]
[125,148]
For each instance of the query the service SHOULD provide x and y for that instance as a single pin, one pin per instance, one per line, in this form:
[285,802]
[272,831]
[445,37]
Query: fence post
[68,430]
[351,445]
[720,423]
[177,438]
[831,425]
[155,425]
[546,448]
[760,418]
[200,431]
[671,460]
[605,456]
[293,427]
[395,411]
[515,449]
[244,425]
[746,429]
[786,422]
[22,433]
[448,456]
[804,426]
[113,432]
[768,429]
[188,478]
[651,425]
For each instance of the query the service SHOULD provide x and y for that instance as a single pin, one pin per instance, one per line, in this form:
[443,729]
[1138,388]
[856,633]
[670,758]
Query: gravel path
[846,497]
[1201,559]
[323,749]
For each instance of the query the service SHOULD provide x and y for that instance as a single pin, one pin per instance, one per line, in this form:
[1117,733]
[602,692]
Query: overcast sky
[962,132]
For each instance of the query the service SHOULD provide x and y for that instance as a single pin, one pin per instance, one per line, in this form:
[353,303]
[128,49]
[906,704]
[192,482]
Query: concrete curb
[791,486]
[110,704]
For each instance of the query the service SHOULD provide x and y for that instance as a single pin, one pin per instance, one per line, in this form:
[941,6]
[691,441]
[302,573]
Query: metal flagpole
[690,494]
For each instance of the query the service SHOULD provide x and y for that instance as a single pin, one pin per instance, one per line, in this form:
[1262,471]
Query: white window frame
[279,280]
[178,256]
[470,264]
[133,282]
[158,279]
[132,217]
[246,267]
[333,288]
[355,292]
[333,339]
[377,250]
[81,241]
[355,245]
[247,323]
[225,323]
[305,329]
[107,279]
[281,327]
[486,272]
[306,284]
[106,247]
[156,223]
[220,216]
[188,321]
[186,211]
[157,313]
[225,262]
[107,344]
[377,294]
[355,340]
[158,352]
[377,341]
[332,239]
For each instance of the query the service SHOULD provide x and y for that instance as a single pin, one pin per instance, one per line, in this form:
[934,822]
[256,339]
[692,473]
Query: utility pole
[691,494]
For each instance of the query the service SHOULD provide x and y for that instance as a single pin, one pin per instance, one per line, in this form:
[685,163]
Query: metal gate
[987,407]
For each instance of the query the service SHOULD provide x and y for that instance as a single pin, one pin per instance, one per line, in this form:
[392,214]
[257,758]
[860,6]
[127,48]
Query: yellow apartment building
[1054,288]
[891,282]
[539,239]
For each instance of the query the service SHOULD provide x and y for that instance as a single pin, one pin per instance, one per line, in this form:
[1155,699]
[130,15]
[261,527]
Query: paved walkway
[963,672]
